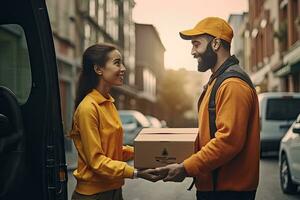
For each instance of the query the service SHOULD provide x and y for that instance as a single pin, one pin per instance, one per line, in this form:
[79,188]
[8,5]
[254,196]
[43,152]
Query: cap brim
[188,34]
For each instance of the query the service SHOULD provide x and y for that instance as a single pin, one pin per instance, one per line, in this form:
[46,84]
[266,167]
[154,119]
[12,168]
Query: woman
[97,130]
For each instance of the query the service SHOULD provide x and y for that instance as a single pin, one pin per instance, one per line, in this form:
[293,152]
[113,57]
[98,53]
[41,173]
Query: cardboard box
[156,147]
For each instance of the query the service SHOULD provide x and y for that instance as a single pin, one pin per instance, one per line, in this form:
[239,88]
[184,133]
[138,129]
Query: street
[269,183]
[269,186]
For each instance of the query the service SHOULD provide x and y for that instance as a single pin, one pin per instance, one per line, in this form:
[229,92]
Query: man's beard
[208,59]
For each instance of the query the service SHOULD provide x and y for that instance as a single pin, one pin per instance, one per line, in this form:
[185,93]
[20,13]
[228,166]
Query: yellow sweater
[98,136]
[236,147]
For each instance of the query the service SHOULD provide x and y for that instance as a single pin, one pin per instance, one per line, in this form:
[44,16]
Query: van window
[15,72]
[283,109]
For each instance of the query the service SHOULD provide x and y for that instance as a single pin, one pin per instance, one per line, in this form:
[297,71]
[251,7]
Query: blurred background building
[149,67]
[269,38]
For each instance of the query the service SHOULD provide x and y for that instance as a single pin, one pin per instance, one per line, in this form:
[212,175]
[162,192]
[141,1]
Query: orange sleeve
[233,105]
[128,153]
[93,153]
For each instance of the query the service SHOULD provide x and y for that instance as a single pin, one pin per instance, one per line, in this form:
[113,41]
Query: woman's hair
[88,79]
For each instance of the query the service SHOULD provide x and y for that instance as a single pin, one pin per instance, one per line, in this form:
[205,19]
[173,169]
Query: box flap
[167,134]
[169,130]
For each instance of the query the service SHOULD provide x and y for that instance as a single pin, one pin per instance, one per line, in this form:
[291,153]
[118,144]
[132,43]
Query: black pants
[226,195]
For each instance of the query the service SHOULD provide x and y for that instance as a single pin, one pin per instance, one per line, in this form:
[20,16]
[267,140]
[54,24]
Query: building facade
[289,38]
[274,43]
[149,67]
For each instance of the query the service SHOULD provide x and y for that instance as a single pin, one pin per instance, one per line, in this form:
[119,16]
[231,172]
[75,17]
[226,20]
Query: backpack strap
[212,106]
[212,98]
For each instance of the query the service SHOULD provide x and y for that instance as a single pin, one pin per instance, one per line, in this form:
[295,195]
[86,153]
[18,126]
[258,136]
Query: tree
[173,100]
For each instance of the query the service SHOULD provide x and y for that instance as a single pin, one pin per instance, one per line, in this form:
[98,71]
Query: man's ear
[216,44]
[98,70]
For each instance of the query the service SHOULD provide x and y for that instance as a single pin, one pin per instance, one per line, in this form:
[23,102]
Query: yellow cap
[214,26]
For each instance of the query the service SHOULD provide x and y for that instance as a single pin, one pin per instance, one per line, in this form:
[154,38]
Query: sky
[171,16]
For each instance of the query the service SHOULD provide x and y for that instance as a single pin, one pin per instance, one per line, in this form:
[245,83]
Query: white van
[278,111]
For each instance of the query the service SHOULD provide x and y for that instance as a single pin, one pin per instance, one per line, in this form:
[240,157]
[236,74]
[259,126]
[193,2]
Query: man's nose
[193,52]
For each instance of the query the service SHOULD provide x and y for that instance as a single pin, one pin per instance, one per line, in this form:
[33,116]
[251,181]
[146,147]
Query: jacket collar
[99,98]
[232,60]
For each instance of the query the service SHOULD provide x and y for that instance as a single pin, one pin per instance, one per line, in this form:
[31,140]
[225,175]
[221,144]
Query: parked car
[163,123]
[154,122]
[133,121]
[289,159]
[32,153]
[277,113]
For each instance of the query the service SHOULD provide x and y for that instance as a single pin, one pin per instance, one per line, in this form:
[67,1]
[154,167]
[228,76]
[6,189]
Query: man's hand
[173,172]
[150,175]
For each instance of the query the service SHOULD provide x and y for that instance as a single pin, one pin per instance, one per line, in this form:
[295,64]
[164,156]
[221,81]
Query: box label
[164,158]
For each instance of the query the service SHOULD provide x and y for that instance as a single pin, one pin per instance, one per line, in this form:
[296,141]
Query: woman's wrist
[135,174]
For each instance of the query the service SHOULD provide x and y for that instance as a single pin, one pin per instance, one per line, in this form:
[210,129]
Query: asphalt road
[269,187]
[269,182]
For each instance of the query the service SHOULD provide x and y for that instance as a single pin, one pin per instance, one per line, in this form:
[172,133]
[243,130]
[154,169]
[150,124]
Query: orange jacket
[236,147]
[98,136]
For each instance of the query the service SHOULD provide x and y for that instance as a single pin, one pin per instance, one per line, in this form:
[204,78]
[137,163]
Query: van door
[31,134]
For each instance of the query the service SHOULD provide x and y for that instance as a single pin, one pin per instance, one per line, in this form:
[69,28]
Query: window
[270,40]
[94,37]
[92,8]
[101,12]
[15,70]
[100,38]
[294,15]
[112,10]
[282,33]
[283,109]
[87,35]
[65,25]
[126,7]
[131,78]
[149,82]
